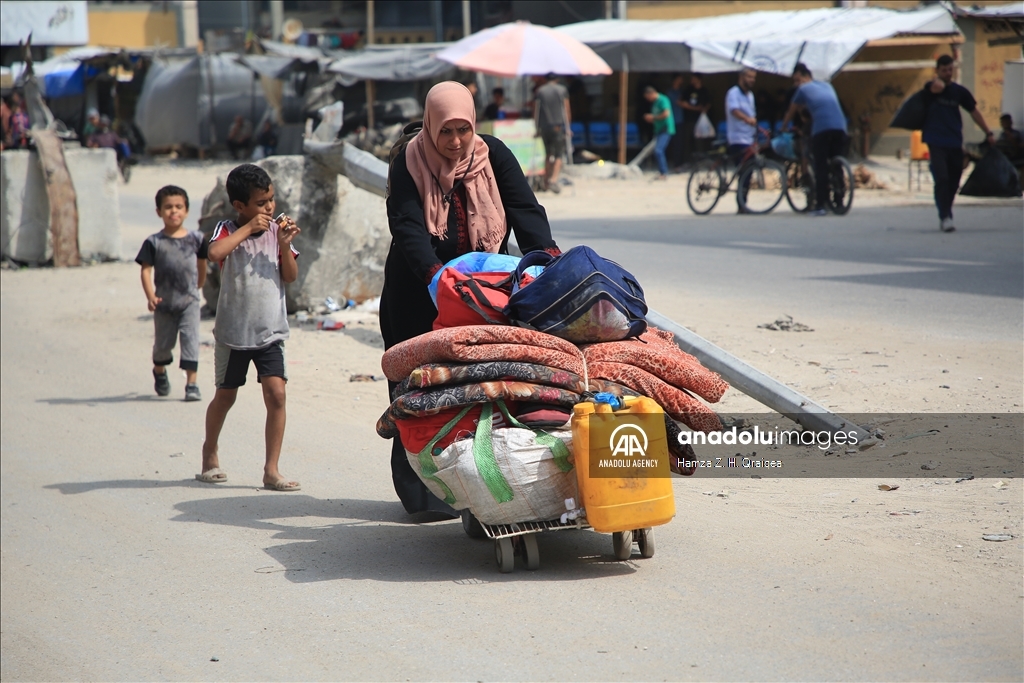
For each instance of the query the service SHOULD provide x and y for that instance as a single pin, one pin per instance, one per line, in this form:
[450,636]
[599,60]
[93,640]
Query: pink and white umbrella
[524,49]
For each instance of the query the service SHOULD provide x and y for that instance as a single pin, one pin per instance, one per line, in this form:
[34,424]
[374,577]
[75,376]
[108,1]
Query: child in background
[174,260]
[256,259]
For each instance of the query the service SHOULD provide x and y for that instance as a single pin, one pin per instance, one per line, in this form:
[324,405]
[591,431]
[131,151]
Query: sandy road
[117,565]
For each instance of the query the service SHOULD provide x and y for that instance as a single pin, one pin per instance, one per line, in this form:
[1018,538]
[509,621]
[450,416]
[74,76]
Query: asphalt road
[117,565]
[888,264]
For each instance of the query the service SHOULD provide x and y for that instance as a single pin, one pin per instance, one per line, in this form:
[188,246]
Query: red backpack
[471,299]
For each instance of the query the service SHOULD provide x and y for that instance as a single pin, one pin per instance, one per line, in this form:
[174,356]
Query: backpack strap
[534,258]
[475,286]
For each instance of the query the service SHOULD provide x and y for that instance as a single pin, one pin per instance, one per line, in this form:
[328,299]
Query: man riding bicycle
[828,128]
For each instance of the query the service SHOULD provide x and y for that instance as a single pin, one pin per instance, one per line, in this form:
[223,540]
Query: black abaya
[406,310]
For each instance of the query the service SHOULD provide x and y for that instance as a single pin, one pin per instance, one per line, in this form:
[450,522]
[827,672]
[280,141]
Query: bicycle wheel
[799,187]
[840,195]
[761,186]
[705,186]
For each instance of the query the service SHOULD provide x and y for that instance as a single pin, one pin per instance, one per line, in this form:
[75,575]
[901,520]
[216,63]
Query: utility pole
[437,9]
[371,88]
[467,24]
[276,18]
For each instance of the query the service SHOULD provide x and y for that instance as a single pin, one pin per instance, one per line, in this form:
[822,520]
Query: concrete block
[25,210]
[344,240]
[96,177]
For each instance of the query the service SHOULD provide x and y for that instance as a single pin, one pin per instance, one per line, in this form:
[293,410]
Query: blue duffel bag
[579,296]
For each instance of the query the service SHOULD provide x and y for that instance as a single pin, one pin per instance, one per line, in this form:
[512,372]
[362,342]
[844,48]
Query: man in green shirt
[664,126]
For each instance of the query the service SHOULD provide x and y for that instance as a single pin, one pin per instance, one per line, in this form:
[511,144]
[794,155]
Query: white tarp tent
[770,41]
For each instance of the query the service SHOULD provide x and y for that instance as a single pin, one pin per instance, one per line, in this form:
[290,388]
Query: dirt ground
[117,565]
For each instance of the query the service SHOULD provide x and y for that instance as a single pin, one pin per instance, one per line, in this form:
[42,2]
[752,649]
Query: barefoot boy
[175,260]
[256,259]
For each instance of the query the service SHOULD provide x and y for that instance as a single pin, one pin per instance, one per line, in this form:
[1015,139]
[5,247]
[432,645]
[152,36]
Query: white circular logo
[628,440]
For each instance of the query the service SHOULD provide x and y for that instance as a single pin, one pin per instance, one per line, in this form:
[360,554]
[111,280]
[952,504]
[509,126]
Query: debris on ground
[864,178]
[887,487]
[328,324]
[365,378]
[786,324]
[370,305]
[997,537]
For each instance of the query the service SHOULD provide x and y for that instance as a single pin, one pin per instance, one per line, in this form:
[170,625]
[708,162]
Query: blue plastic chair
[579,134]
[600,134]
[778,127]
[632,135]
[761,137]
[723,134]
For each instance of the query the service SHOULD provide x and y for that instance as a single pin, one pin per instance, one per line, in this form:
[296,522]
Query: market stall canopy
[524,49]
[391,63]
[770,41]
[66,74]
[272,66]
[1012,10]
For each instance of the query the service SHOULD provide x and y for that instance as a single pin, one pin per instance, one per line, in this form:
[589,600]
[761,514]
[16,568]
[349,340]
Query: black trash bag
[993,176]
[912,112]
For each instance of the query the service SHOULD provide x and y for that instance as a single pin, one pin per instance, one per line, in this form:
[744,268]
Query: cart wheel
[504,555]
[622,541]
[531,553]
[471,525]
[645,540]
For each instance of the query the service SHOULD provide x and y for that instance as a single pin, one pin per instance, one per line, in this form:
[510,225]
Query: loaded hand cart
[609,473]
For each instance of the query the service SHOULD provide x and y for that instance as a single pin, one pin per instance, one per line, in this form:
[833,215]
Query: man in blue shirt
[741,120]
[828,128]
[943,133]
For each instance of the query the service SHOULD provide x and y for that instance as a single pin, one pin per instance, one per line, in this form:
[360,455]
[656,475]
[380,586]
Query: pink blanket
[477,343]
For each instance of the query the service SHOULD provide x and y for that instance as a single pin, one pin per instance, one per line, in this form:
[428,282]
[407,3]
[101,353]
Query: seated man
[267,139]
[105,137]
[240,136]
[493,110]
[1010,142]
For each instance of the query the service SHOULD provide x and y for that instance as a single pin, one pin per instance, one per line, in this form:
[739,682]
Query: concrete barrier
[25,210]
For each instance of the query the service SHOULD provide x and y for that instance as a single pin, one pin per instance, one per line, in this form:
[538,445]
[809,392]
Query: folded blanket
[424,402]
[657,353]
[477,343]
[441,374]
[676,402]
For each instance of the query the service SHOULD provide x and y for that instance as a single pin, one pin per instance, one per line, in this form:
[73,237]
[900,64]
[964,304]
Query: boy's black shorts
[232,365]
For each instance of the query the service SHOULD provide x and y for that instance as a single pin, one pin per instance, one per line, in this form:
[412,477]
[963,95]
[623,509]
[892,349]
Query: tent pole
[371,90]
[623,94]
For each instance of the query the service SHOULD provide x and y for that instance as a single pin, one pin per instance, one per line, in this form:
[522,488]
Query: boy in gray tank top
[256,260]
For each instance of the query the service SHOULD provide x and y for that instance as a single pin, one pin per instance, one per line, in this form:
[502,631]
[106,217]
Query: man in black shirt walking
[943,133]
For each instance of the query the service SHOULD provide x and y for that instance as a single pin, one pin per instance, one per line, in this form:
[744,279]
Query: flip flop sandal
[212,476]
[283,485]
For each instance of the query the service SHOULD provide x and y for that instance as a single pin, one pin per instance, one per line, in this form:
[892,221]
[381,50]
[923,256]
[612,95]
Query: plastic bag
[912,112]
[503,475]
[703,128]
[783,146]
[993,176]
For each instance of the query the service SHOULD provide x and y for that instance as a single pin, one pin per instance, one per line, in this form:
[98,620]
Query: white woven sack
[539,487]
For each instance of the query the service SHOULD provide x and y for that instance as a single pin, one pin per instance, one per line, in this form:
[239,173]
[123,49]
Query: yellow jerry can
[621,460]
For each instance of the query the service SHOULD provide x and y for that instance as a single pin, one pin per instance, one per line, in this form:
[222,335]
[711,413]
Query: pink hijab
[485,213]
